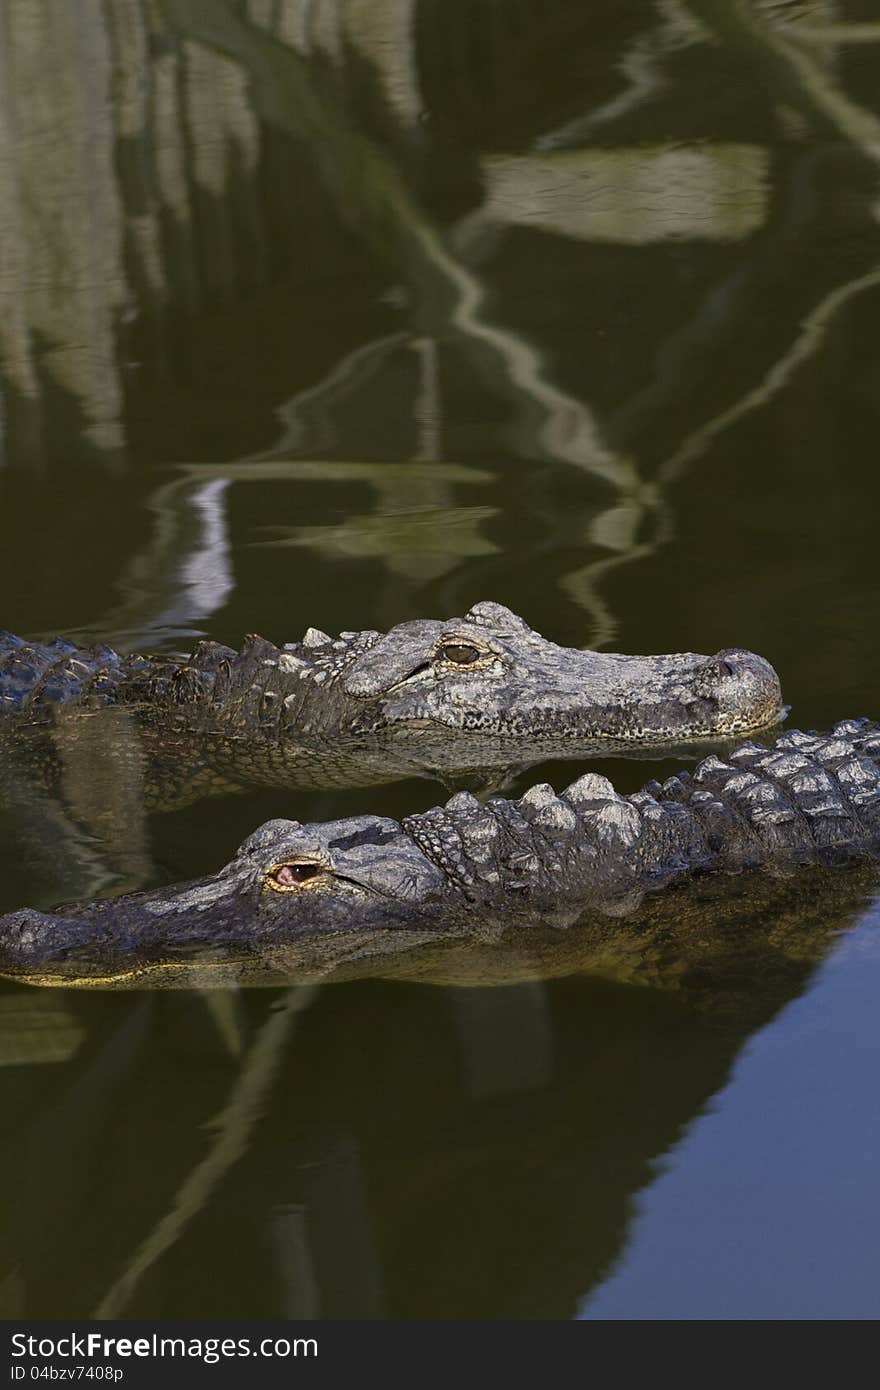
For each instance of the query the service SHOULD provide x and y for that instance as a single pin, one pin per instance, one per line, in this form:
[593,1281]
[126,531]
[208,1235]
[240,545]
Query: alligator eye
[460,654]
[286,878]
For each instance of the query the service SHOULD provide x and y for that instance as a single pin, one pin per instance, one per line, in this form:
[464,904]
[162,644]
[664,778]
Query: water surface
[337,315]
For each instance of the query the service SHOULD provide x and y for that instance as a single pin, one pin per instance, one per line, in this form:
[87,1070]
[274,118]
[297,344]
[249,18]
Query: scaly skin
[584,854]
[484,677]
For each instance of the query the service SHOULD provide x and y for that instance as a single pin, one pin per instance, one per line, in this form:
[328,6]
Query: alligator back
[41,675]
[38,677]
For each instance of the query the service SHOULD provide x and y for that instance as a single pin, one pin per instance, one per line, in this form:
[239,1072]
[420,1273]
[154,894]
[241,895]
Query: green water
[336,316]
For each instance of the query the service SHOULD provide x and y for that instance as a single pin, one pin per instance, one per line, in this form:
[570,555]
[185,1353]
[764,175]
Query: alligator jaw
[38,948]
[116,944]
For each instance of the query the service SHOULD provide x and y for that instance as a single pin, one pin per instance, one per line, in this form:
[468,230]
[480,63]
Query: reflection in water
[196,98]
[721,1230]
[232,1135]
[813,331]
[437,302]
[205,577]
[643,68]
[114,205]
[633,196]
[176,584]
[489,1133]
[419,542]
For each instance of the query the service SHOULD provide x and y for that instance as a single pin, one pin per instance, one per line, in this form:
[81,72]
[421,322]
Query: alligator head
[489,674]
[293,896]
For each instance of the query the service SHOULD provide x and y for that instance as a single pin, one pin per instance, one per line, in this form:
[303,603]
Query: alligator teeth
[314,637]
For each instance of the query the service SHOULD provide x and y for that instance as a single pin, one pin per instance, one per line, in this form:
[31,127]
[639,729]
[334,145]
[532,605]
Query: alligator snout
[747,689]
[29,939]
[85,947]
[66,945]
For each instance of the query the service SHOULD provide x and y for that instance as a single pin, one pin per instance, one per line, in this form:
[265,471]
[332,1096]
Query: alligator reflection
[78,797]
[81,799]
[457,1133]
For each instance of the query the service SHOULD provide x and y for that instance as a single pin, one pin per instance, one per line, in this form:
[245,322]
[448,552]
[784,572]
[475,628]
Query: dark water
[337,315]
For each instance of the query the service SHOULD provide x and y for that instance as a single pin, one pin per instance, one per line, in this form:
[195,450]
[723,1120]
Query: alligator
[472,868]
[426,697]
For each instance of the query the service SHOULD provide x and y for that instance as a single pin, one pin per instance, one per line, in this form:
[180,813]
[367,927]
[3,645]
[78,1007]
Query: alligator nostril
[732,661]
